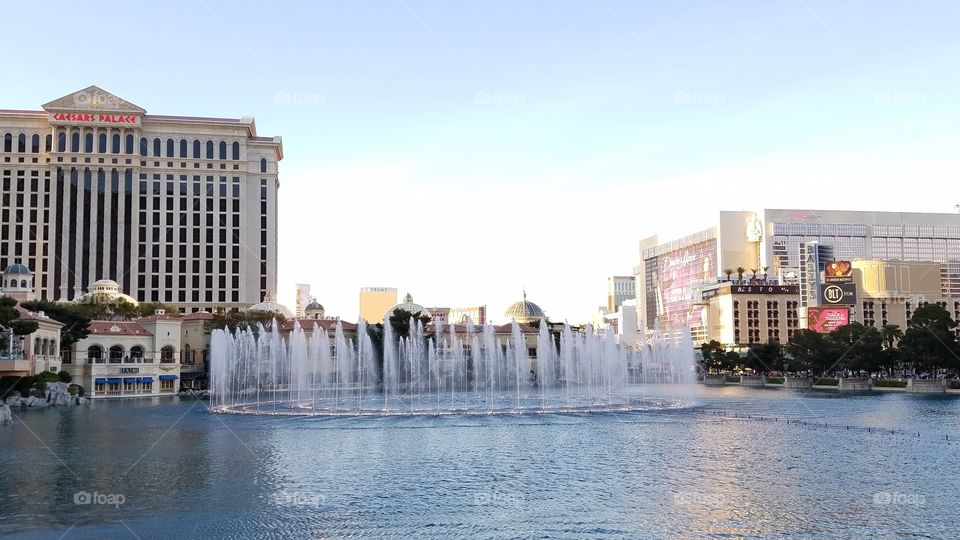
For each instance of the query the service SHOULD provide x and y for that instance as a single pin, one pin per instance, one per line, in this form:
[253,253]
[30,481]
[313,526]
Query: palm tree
[728,271]
[754,272]
[740,271]
[765,270]
[891,334]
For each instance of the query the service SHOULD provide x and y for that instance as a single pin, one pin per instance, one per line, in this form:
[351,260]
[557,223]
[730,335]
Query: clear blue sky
[462,151]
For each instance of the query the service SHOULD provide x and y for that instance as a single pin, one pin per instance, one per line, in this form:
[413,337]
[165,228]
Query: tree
[731,361]
[930,343]
[712,354]
[146,309]
[232,320]
[400,322]
[74,318]
[754,272]
[10,318]
[740,271]
[728,272]
[765,357]
[859,346]
[891,334]
[766,269]
[807,351]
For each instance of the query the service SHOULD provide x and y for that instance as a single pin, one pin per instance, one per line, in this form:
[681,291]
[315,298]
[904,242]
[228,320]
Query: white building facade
[180,210]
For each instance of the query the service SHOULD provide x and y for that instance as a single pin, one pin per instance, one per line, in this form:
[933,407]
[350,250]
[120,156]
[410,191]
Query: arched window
[144,146]
[8,143]
[35,144]
[236,150]
[156,147]
[115,143]
[263,165]
[209,149]
[88,142]
[166,355]
[102,143]
[95,355]
[52,347]
[49,142]
[196,149]
[61,141]
[170,146]
[75,141]
[183,148]
[186,355]
[22,144]
[23,283]
[129,144]
[38,347]
[223,149]
[116,354]
[136,353]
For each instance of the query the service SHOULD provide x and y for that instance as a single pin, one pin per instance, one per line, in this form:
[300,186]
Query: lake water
[170,469]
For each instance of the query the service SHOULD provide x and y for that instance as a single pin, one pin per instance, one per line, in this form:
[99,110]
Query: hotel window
[196,149]
[157,147]
[22,144]
[8,143]
[183,148]
[263,165]
[144,146]
[88,143]
[129,145]
[102,143]
[115,146]
[223,149]
[209,149]
[35,146]
[170,147]
[75,141]
[236,150]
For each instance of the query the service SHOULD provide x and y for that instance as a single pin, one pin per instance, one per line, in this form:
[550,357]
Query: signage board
[827,319]
[838,272]
[839,294]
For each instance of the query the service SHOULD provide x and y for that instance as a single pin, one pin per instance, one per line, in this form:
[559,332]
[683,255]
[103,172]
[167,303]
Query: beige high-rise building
[375,301]
[175,209]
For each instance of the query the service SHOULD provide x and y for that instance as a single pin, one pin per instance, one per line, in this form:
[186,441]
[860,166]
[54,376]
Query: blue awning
[129,379]
[100,380]
[168,377]
[146,379]
[113,380]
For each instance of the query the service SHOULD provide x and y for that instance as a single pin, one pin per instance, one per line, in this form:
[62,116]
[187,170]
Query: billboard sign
[839,294]
[827,319]
[838,272]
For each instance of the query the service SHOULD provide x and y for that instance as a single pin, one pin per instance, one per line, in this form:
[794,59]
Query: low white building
[128,358]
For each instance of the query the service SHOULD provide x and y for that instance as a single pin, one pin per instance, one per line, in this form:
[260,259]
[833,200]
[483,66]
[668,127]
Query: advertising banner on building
[838,272]
[827,319]
[839,294]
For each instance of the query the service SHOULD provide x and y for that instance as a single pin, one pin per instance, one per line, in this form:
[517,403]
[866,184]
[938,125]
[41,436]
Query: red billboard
[827,319]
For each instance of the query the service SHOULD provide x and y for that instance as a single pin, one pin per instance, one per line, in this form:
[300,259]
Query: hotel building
[176,209]
[375,301]
[670,274]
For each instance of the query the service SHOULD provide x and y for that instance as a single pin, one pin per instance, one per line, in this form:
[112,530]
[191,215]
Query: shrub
[889,383]
[47,376]
[775,380]
[953,384]
[75,390]
[64,376]
[827,382]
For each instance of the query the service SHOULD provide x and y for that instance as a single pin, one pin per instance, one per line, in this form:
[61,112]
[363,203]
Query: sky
[464,152]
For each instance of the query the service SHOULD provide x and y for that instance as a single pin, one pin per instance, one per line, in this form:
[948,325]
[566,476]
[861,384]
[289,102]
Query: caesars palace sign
[95,119]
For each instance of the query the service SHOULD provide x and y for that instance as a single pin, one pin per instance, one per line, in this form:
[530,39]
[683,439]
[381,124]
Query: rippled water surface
[740,463]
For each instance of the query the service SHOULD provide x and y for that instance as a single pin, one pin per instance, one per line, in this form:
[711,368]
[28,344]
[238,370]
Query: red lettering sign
[96,118]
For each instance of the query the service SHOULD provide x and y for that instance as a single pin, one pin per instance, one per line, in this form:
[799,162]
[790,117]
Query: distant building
[375,301]
[461,315]
[314,310]
[524,312]
[301,299]
[39,351]
[888,292]
[619,290]
[407,305]
[743,315]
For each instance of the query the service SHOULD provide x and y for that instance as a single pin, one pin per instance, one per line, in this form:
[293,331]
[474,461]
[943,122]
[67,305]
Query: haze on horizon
[462,152]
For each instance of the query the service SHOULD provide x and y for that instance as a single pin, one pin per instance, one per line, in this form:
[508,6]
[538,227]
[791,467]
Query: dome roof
[408,305]
[524,311]
[17,269]
[269,304]
[104,291]
[314,306]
